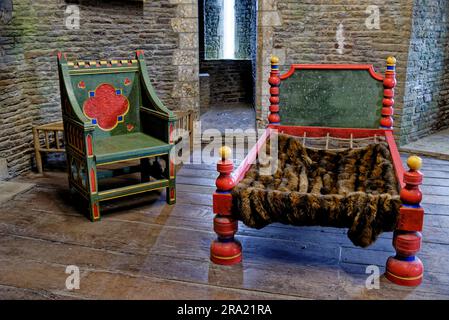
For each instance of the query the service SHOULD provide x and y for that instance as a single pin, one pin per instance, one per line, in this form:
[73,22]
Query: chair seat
[128,146]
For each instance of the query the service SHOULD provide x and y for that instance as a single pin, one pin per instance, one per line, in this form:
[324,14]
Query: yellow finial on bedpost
[225,152]
[274,62]
[414,163]
[391,61]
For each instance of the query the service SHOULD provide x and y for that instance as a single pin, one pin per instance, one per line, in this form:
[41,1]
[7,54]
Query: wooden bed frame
[405,268]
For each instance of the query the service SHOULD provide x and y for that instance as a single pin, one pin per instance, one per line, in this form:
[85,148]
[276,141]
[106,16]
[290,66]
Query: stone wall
[253,48]
[426,101]
[213,27]
[204,92]
[230,81]
[244,16]
[306,32]
[166,30]
[212,11]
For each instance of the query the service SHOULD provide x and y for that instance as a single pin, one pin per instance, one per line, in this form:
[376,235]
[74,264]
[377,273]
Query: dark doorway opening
[227,51]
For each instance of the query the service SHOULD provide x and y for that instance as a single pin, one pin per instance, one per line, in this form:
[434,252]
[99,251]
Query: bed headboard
[332,95]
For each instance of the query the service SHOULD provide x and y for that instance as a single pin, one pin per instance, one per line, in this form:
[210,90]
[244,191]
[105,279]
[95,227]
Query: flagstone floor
[436,145]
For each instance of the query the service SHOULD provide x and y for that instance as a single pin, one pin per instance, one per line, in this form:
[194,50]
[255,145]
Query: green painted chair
[112,116]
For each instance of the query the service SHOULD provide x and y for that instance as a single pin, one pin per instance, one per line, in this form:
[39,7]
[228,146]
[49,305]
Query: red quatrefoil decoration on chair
[106,107]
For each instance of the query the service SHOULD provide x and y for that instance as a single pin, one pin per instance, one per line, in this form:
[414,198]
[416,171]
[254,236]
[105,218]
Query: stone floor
[9,189]
[436,145]
[239,116]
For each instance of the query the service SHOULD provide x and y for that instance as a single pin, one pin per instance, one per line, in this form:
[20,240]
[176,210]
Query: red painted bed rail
[222,201]
[367,67]
[397,162]
[334,132]
[239,174]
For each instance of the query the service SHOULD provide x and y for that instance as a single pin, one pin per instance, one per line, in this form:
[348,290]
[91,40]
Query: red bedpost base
[405,268]
[404,273]
[226,252]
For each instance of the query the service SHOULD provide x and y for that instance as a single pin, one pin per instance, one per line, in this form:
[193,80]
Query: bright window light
[228,29]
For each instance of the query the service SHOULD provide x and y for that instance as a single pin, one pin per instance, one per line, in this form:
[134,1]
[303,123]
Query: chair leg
[156,169]
[94,204]
[72,191]
[145,169]
[94,210]
[39,162]
[171,193]
[37,151]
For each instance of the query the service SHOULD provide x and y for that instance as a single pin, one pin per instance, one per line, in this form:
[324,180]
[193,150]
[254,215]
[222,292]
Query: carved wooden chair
[112,115]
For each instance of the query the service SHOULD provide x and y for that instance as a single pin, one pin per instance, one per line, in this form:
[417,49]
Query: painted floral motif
[82,85]
[106,107]
[127,82]
[130,127]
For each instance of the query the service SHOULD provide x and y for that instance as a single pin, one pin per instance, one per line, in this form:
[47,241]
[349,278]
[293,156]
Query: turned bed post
[386,121]
[225,249]
[274,81]
[406,268]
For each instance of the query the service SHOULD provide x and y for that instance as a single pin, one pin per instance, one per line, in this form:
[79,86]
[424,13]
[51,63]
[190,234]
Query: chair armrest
[78,136]
[77,115]
[156,124]
[157,114]
[150,98]
[84,126]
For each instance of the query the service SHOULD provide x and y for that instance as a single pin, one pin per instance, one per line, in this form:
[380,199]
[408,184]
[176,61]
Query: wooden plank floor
[145,249]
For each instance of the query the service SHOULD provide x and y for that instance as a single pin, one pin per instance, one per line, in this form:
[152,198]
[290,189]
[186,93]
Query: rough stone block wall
[244,16]
[306,32]
[212,31]
[167,30]
[443,112]
[253,47]
[204,92]
[426,101]
[230,81]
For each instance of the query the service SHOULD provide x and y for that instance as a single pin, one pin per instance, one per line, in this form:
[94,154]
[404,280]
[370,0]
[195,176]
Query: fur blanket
[354,189]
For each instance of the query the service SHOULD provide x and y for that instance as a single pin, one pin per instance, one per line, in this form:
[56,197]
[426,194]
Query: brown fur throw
[354,188]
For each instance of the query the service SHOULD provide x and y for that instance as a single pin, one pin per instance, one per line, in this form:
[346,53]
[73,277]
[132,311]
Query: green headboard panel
[331,98]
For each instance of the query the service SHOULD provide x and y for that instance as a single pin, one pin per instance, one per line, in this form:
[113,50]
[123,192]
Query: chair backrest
[108,94]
